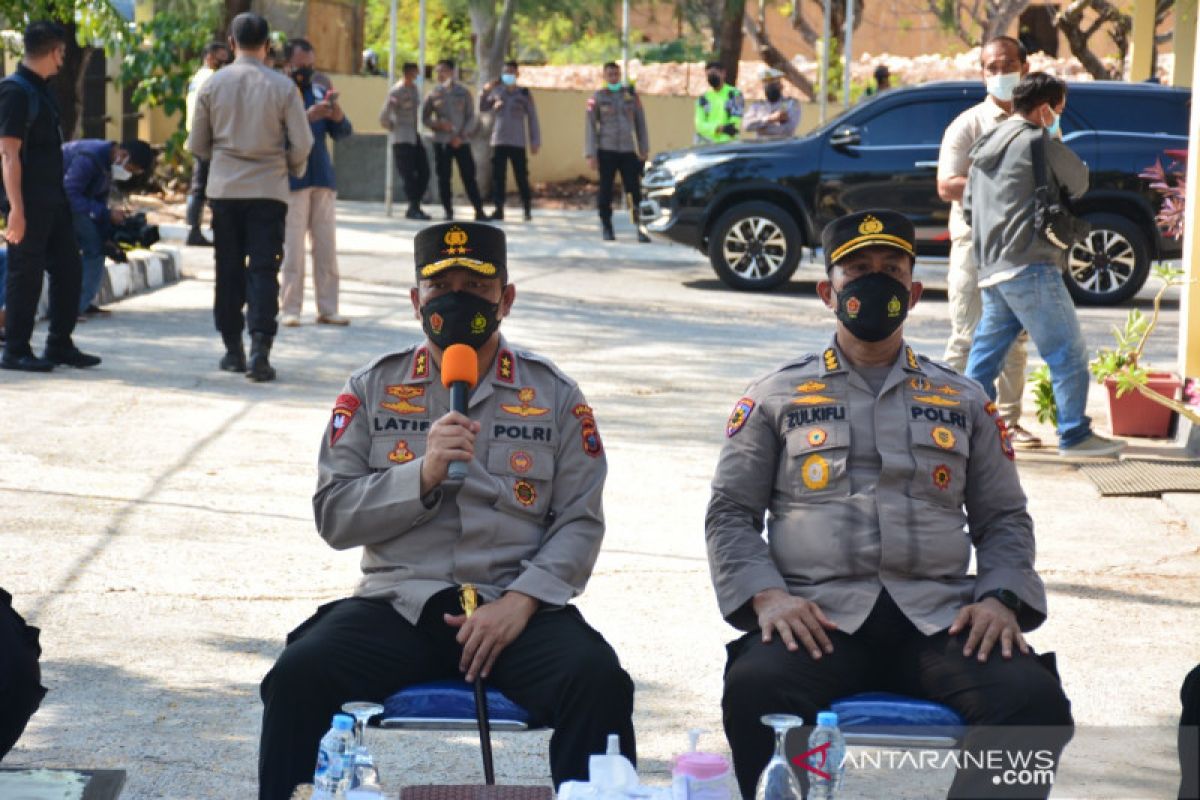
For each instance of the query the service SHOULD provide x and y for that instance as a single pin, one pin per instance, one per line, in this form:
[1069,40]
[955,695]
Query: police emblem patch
[741,413]
[1006,444]
[817,437]
[455,240]
[893,307]
[478,324]
[815,472]
[943,437]
[404,394]
[520,462]
[588,430]
[870,226]
[401,454]
[524,492]
[853,306]
[941,477]
[343,411]
[813,400]
[436,322]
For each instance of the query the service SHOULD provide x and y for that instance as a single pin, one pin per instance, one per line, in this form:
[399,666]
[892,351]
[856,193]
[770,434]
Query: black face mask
[459,318]
[302,75]
[773,94]
[714,80]
[873,307]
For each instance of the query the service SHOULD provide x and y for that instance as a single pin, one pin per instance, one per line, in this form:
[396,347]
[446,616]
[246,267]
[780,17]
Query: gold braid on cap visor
[482,267]
[872,238]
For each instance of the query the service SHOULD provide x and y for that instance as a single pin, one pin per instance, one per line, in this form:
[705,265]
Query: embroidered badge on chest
[520,462]
[524,492]
[942,477]
[401,454]
[815,472]
[943,437]
[403,396]
[525,397]
[817,437]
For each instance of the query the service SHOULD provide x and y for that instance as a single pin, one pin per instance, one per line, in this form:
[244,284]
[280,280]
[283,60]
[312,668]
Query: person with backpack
[90,167]
[40,231]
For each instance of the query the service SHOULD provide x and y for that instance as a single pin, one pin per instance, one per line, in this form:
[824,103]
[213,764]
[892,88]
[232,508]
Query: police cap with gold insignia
[873,228]
[466,245]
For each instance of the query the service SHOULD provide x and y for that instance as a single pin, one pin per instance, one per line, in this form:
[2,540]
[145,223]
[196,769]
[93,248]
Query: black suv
[752,206]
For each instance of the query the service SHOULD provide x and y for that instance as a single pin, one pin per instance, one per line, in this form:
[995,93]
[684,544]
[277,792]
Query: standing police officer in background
[525,527]
[775,117]
[614,118]
[399,117]
[718,110]
[40,230]
[868,462]
[449,111]
[514,111]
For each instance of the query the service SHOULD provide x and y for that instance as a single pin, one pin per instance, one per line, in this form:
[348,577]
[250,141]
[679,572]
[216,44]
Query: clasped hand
[490,629]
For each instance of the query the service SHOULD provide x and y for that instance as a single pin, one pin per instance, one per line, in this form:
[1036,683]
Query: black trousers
[1189,737]
[889,654]
[501,155]
[248,248]
[196,192]
[609,163]
[560,669]
[21,690]
[413,166]
[49,247]
[445,156]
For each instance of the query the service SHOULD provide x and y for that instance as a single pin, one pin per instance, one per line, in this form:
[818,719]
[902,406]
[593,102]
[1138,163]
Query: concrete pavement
[158,522]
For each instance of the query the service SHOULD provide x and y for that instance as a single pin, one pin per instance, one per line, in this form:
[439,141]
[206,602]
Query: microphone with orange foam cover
[460,373]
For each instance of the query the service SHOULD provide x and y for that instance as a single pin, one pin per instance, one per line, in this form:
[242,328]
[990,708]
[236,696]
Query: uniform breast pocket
[389,451]
[816,462]
[608,110]
[526,478]
[940,455]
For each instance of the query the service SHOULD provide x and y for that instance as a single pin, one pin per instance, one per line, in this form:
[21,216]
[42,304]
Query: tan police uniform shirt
[514,112]
[451,104]
[614,120]
[954,157]
[399,114]
[528,517]
[251,124]
[864,492]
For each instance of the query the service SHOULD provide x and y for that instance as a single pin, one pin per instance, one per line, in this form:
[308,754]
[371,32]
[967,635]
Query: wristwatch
[1008,599]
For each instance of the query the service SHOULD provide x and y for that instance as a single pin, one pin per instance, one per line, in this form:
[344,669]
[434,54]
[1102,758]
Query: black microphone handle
[458,402]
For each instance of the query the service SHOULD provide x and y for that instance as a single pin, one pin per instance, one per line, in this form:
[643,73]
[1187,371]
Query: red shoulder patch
[588,431]
[344,409]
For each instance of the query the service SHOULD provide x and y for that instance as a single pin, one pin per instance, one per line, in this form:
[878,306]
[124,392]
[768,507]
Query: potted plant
[1141,401]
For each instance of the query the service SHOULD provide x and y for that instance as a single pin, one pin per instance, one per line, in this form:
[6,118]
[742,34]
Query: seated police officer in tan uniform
[524,527]
[877,471]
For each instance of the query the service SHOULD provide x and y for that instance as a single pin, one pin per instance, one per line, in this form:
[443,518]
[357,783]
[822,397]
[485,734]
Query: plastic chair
[881,719]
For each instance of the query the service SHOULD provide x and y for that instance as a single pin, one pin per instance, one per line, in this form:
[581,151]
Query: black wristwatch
[1008,599]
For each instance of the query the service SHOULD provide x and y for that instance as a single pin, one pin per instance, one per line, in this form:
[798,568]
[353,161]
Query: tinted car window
[1128,112]
[910,124]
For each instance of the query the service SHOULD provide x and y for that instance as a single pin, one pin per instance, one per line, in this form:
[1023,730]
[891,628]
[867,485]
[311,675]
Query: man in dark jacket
[21,689]
[39,230]
[90,167]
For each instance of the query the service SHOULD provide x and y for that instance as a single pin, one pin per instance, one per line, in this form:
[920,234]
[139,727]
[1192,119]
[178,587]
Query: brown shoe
[332,319]
[1023,439]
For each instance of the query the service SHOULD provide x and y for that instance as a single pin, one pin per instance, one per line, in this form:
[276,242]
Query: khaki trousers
[966,309]
[310,211]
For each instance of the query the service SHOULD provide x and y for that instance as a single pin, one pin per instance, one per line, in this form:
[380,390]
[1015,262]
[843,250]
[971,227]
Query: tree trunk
[232,9]
[1070,22]
[773,58]
[1001,17]
[730,50]
[68,84]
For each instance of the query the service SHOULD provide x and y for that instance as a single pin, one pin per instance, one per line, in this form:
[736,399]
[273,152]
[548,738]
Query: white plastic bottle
[826,732]
[331,778]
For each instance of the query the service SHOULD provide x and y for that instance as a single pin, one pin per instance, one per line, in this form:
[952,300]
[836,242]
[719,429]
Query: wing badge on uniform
[343,411]
[404,394]
[737,419]
[812,400]
[810,386]
[525,397]
[935,400]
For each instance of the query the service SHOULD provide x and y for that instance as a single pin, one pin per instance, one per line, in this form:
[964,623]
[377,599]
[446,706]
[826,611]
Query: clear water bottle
[331,778]
[827,760]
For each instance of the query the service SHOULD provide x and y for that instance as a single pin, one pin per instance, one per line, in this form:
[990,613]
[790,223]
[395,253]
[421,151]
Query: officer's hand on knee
[793,618]
[451,438]
[489,630]
[990,622]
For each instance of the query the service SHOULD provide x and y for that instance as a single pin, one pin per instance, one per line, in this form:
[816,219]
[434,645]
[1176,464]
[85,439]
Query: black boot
[234,359]
[606,230]
[259,368]
[64,352]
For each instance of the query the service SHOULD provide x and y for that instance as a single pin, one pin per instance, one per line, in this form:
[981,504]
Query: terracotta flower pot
[1137,415]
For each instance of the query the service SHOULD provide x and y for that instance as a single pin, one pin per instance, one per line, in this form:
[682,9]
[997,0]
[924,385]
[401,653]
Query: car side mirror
[845,136]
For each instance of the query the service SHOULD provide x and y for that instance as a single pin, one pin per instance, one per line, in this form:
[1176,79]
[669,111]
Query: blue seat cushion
[451,699]
[875,710]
